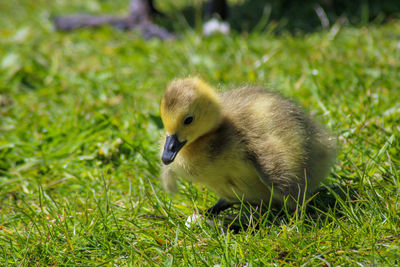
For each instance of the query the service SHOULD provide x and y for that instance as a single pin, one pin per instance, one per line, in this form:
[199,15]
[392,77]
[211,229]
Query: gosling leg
[221,205]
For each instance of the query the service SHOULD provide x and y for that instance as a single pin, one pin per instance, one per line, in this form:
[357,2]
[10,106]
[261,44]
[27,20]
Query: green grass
[79,138]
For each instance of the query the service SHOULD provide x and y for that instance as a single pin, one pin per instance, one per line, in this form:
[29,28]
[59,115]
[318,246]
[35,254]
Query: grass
[80,131]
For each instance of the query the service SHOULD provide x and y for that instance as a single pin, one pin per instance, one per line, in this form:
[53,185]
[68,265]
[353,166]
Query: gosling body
[247,145]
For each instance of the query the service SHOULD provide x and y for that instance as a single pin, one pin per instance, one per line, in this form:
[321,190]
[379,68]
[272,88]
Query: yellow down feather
[244,144]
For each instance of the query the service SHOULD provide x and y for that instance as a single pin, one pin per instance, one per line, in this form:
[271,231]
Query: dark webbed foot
[221,205]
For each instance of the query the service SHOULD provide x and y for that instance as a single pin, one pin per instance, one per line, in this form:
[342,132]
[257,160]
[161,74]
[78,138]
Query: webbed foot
[221,205]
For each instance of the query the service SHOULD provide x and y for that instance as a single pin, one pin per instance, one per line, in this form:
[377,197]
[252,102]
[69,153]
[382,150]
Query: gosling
[247,145]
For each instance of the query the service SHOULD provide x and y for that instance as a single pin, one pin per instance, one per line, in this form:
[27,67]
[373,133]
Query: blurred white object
[192,219]
[195,219]
[215,26]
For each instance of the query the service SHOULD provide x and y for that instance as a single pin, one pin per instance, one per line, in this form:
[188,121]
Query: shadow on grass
[297,16]
[327,204]
[249,15]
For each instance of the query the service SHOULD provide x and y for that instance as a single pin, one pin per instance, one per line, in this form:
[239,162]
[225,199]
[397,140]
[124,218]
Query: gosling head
[190,108]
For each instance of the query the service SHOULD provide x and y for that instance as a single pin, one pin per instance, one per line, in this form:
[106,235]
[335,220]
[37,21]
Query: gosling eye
[188,120]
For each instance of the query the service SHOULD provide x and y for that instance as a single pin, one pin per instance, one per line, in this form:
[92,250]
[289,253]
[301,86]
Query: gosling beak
[171,148]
